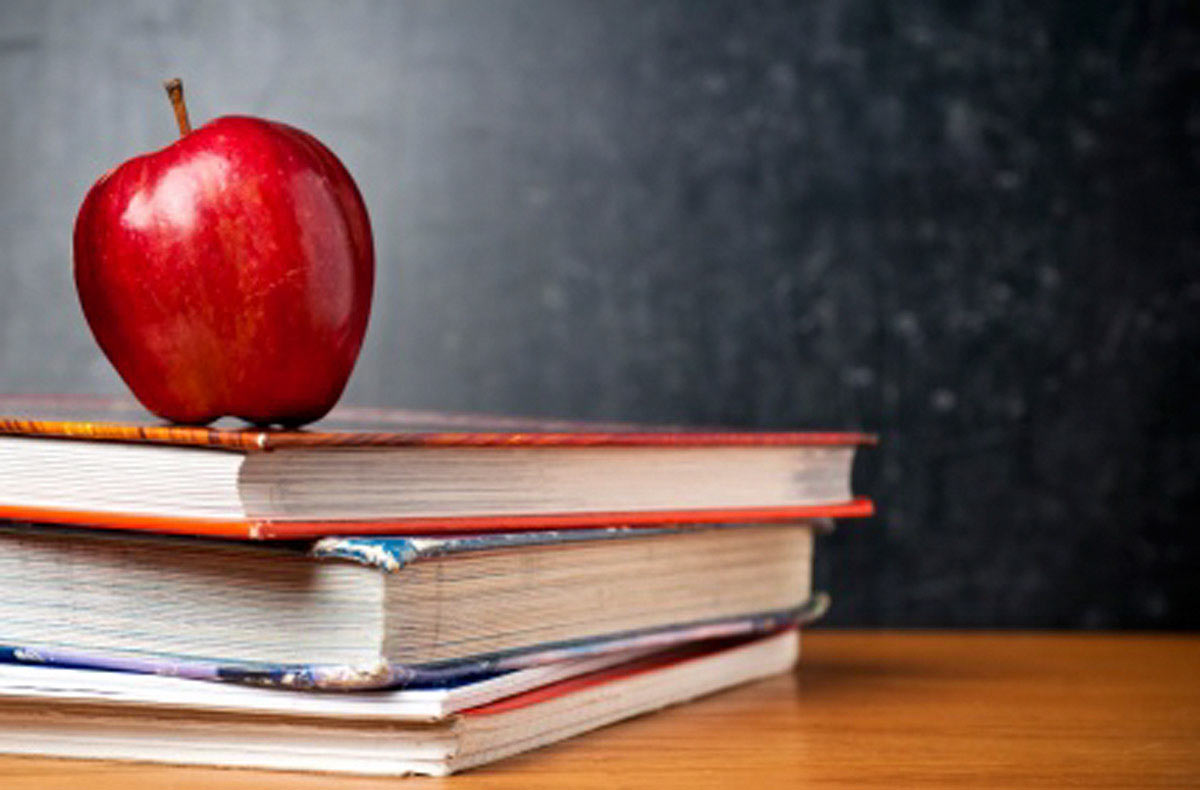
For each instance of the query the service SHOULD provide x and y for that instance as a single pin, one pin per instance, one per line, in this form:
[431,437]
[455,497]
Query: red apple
[229,273]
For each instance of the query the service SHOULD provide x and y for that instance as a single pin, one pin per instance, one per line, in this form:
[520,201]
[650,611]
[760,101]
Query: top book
[97,462]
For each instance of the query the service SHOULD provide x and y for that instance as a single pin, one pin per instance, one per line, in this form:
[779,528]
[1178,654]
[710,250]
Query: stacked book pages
[388,592]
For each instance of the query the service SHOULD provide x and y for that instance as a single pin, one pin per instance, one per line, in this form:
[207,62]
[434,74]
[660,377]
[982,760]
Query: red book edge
[257,529]
[570,686]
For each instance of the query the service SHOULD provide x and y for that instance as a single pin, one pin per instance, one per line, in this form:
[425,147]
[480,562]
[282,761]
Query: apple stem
[175,93]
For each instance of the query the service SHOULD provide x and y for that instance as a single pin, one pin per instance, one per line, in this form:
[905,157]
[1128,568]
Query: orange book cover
[94,419]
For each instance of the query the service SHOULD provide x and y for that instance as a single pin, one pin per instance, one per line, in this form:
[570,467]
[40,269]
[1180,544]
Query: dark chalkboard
[969,226]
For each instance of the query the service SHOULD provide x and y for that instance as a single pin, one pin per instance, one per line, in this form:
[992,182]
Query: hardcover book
[109,716]
[363,612]
[97,463]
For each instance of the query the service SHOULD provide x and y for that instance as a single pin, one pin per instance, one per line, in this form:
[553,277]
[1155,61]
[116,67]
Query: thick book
[108,716]
[365,612]
[92,462]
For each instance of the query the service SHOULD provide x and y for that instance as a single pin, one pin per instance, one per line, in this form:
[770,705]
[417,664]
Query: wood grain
[865,709]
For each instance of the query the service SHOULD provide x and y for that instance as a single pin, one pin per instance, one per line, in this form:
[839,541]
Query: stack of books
[389,592]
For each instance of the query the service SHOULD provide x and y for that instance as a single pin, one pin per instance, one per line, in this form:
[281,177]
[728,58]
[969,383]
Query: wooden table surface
[864,709]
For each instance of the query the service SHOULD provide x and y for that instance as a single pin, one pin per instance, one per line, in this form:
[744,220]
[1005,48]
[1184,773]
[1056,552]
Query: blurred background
[971,227]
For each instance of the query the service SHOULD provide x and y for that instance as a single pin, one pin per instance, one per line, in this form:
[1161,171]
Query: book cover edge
[342,677]
[259,529]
